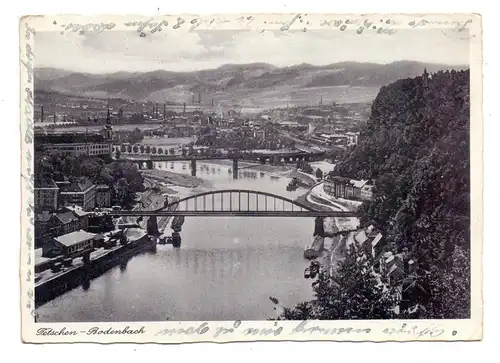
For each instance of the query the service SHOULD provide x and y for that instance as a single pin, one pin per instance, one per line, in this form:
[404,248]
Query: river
[226,268]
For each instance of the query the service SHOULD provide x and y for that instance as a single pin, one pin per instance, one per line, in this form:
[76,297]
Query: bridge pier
[193,167]
[235,169]
[152,226]
[319,228]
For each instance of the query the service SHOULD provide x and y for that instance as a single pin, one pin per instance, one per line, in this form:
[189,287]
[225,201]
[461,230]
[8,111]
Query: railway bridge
[147,161]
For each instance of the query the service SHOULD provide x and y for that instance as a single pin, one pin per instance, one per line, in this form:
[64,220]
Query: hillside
[416,148]
[235,82]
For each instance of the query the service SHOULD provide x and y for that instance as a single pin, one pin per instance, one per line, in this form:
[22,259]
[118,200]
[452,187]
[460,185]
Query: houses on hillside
[342,187]
[394,268]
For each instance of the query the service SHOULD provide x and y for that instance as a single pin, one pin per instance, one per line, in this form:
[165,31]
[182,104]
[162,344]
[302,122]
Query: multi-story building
[102,196]
[81,193]
[75,144]
[46,194]
[49,225]
[77,149]
[341,187]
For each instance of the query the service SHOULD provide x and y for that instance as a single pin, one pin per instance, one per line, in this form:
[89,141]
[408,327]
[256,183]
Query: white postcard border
[179,332]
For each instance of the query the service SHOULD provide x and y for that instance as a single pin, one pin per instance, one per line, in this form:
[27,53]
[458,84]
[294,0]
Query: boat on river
[293,185]
[314,250]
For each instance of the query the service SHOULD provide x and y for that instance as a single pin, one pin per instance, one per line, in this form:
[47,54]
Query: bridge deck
[294,214]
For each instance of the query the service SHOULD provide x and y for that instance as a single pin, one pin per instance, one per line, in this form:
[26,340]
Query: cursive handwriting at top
[458,25]
[87,28]
[152,26]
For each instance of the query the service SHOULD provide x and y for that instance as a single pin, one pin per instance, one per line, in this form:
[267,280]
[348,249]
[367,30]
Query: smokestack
[41,117]
[164,109]
[193,98]
[108,117]
[212,102]
[54,118]
[321,101]
[184,108]
[199,98]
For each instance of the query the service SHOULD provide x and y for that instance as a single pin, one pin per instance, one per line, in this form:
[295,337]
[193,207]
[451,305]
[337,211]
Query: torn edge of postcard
[467,26]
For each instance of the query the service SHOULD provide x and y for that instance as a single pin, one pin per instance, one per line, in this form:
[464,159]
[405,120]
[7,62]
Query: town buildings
[46,194]
[81,192]
[395,268]
[75,144]
[52,224]
[102,196]
[72,245]
[342,187]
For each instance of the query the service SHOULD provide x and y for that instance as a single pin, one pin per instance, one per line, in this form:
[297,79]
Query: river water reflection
[226,268]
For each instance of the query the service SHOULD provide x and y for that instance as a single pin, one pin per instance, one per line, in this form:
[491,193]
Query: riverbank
[176,179]
[50,284]
[286,171]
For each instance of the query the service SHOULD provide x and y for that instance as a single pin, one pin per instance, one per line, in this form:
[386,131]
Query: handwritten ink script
[297,22]
[306,328]
[86,28]
[247,330]
[27,174]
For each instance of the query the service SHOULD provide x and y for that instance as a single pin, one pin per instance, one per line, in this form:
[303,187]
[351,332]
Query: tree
[160,151]
[319,173]
[123,148]
[421,198]
[147,149]
[153,150]
[141,148]
[184,152]
[122,192]
[172,151]
[135,149]
[129,148]
[353,292]
[118,154]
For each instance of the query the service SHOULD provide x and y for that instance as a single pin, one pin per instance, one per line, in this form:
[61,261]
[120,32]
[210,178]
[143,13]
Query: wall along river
[226,269]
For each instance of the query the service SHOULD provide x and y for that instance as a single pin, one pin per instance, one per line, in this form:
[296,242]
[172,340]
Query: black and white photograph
[187,171]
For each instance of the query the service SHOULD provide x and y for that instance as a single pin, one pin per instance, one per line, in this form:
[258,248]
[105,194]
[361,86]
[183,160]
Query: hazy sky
[114,51]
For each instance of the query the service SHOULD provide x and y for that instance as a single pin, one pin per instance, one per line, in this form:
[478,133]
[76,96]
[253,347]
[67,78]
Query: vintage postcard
[251,177]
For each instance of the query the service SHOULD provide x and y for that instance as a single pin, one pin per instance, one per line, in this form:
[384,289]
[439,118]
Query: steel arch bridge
[236,203]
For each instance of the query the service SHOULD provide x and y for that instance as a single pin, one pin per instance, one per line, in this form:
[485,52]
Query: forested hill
[416,148]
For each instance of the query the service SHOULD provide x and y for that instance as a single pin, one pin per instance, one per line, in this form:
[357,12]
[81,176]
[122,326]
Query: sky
[113,51]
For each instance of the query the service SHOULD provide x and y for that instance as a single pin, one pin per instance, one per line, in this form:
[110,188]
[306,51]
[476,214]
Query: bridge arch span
[249,195]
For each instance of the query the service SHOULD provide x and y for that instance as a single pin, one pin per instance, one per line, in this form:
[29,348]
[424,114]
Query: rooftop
[79,186]
[66,217]
[74,238]
[377,239]
[77,210]
[102,187]
[45,183]
[358,183]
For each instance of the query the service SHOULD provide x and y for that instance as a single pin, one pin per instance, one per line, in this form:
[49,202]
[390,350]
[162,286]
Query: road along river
[226,268]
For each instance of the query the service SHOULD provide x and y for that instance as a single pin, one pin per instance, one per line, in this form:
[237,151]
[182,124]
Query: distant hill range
[232,81]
